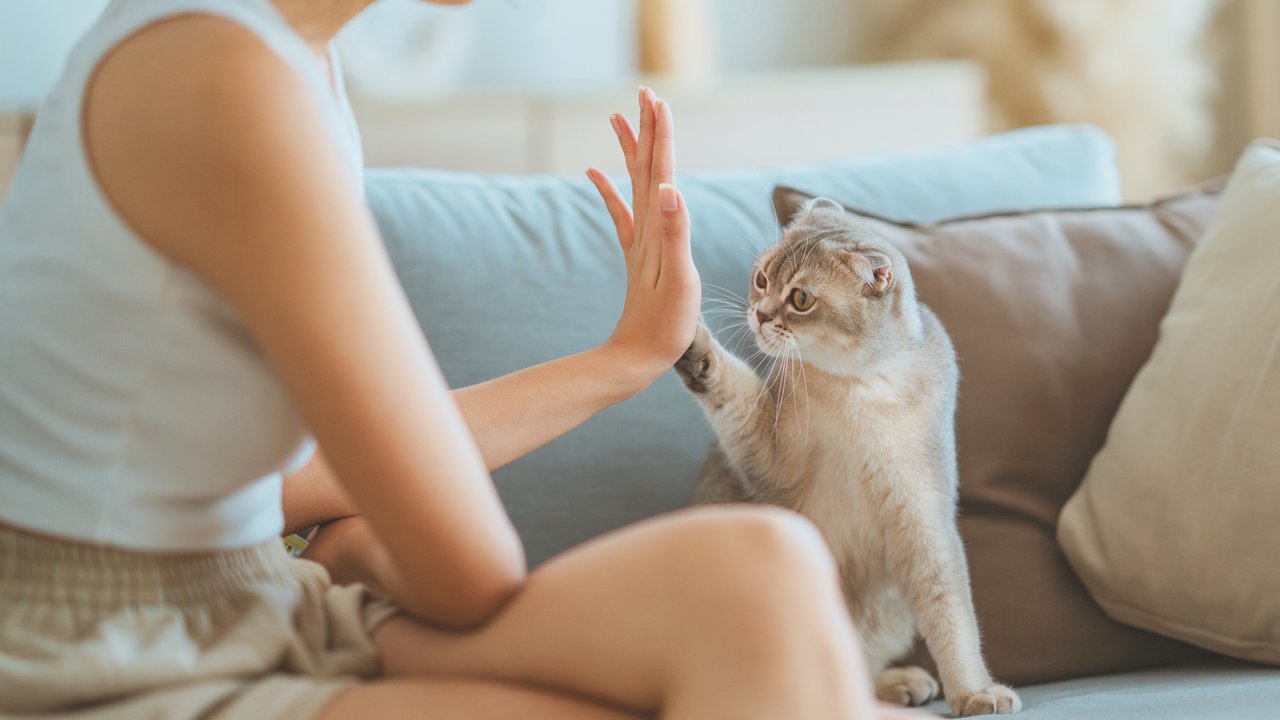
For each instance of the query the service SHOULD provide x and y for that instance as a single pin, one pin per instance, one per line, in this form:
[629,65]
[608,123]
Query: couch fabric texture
[1188,483]
[1224,689]
[1051,313]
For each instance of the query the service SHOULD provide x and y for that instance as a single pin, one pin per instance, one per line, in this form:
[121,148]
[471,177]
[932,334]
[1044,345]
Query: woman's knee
[775,555]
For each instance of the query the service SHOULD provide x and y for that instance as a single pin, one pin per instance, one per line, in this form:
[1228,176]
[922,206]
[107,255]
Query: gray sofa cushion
[505,272]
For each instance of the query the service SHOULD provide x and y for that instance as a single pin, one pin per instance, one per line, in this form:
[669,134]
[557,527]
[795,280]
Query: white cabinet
[789,117]
[780,118]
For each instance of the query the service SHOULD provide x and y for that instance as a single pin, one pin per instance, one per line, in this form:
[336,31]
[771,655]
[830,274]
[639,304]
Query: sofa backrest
[505,272]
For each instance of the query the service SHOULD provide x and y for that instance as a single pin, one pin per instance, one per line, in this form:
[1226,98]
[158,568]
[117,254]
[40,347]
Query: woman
[190,279]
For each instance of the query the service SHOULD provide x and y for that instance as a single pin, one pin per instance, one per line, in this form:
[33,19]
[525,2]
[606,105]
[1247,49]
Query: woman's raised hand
[664,292]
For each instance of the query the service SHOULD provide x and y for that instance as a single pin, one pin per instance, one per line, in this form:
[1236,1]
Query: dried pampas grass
[1134,67]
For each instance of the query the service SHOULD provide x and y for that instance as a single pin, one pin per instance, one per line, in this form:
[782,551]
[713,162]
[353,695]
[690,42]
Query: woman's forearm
[515,414]
[509,417]
[350,551]
[313,495]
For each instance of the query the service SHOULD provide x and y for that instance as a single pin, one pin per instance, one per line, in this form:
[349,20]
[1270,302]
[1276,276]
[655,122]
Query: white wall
[35,37]
[573,43]
[410,45]
[407,47]
[769,34]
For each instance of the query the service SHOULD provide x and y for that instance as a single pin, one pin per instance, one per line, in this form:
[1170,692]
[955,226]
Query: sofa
[504,272]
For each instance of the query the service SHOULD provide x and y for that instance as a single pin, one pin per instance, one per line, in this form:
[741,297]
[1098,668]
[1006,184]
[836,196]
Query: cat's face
[822,292]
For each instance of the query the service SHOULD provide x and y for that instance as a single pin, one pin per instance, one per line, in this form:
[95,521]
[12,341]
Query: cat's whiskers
[736,338]
[805,379]
[720,296]
[791,378]
[755,354]
[719,304]
[725,293]
[781,394]
[724,308]
[766,386]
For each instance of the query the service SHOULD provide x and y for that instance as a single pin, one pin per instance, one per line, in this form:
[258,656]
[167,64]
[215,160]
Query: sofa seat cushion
[1215,690]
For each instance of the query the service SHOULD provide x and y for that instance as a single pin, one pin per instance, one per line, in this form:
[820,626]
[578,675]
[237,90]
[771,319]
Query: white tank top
[135,409]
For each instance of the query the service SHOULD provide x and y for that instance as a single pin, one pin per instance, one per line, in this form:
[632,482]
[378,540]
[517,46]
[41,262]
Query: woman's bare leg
[732,611]
[460,699]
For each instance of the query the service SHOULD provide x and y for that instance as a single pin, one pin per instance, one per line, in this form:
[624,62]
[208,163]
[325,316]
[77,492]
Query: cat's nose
[762,317]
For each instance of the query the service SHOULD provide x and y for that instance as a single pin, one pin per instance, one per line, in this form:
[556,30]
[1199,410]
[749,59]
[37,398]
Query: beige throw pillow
[1176,527]
[1052,312]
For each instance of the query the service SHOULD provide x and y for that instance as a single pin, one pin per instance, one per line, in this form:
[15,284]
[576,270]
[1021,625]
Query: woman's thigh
[461,699]
[623,616]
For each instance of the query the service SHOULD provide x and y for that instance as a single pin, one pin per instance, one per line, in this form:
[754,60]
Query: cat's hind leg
[888,632]
[911,686]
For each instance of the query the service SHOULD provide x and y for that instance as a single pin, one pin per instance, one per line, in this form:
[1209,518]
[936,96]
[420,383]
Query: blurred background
[527,85]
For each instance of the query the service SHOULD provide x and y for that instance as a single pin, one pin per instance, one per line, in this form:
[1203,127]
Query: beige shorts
[91,633]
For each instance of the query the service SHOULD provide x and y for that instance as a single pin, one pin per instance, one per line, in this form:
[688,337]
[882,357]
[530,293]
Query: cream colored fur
[854,429]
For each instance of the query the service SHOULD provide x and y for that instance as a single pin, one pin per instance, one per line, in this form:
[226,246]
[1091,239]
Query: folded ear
[821,203]
[876,271]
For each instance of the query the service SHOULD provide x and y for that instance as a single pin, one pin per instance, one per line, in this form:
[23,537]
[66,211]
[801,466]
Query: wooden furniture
[14,127]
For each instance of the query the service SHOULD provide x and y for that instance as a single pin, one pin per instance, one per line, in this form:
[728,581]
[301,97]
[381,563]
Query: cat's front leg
[929,560]
[729,391]
[714,376]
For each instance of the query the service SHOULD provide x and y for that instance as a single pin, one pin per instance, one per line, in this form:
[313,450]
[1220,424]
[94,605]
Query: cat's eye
[761,281]
[802,300]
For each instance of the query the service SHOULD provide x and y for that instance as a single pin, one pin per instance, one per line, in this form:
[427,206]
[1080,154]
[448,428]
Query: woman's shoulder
[186,118]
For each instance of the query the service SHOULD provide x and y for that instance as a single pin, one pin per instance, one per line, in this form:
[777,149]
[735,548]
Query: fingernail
[613,120]
[668,198]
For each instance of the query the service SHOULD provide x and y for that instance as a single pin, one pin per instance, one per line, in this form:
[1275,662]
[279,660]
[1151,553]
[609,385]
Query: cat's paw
[995,699]
[698,362]
[910,686]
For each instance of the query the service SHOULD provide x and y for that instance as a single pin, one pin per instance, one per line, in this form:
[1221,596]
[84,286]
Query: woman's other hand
[664,291]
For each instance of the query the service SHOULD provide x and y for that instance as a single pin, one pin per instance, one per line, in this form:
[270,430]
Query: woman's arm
[509,417]
[517,413]
[210,147]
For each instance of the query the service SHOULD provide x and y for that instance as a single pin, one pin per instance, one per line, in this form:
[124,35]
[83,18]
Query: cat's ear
[821,203]
[876,271]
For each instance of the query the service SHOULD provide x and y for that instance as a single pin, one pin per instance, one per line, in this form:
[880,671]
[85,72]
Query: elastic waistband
[38,568]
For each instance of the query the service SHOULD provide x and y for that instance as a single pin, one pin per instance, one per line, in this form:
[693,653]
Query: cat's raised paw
[910,686]
[696,365]
[996,699]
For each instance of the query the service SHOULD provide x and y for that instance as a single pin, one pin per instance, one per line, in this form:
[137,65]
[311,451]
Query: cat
[857,434]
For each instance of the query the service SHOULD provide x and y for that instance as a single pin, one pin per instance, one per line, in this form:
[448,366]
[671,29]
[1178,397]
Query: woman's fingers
[642,189]
[626,141]
[677,258]
[664,146]
[613,200]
